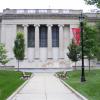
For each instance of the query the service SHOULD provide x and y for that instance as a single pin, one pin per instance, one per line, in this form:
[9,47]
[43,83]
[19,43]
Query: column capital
[25,25]
[61,25]
[74,25]
[37,25]
[49,25]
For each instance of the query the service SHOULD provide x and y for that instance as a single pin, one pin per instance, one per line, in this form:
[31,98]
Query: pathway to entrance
[45,86]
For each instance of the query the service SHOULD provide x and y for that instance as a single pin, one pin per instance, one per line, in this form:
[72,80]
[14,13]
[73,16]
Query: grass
[9,82]
[90,88]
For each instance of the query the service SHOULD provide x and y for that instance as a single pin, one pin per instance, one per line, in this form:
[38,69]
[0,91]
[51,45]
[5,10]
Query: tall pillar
[37,53]
[3,34]
[61,41]
[49,41]
[25,36]
[71,33]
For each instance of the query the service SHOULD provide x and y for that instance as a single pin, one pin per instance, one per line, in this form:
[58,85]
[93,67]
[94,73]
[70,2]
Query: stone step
[44,70]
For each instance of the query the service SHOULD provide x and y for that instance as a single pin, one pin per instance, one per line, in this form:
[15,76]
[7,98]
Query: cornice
[11,14]
[40,16]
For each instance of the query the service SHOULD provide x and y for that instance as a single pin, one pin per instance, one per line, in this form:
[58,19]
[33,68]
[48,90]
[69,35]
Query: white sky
[45,4]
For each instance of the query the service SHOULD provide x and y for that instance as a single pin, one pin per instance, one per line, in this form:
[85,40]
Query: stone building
[47,33]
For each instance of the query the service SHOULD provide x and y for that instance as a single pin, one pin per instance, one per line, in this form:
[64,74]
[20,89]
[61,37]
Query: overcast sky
[45,4]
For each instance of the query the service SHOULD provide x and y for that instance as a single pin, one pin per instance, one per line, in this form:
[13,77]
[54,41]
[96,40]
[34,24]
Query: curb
[16,91]
[74,91]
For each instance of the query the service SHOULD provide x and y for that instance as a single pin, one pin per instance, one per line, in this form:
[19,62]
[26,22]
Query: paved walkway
[45,87]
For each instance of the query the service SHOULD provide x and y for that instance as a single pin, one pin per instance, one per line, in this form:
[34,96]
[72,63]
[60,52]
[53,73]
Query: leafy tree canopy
[3,56]
[19,47]
[98,39]
[90,40]
[74,52]
[93,2]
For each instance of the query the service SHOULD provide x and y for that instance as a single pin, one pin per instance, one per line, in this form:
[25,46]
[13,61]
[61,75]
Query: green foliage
[74,52]
[93,2]
[3,56]
[98,26]
[98,39]
[19,47]
[90,41]
[62,74]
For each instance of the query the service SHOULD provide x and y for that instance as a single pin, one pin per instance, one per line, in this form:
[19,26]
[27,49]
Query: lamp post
[81,18]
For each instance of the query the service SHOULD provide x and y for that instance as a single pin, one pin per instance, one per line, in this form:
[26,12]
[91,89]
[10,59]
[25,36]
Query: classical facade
[47,33]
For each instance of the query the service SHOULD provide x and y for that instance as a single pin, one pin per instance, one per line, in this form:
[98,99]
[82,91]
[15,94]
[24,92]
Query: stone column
[49,41]
[3,34]
[71,33]
[25,36]
[37,53]
[61,41]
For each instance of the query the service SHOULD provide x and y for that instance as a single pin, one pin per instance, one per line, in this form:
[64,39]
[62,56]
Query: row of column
[61,41]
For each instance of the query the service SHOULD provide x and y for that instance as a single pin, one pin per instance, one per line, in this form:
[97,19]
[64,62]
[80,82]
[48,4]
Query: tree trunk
[89,63]
[18,65]
[75,65]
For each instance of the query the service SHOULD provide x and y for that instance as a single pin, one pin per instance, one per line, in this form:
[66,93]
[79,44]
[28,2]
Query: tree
[98,26]
[19,47]
[3,56]
[93,2]
[74,52]
[90,42]
[98,40]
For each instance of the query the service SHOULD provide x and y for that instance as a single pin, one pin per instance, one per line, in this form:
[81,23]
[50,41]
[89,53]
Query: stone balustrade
[41,11]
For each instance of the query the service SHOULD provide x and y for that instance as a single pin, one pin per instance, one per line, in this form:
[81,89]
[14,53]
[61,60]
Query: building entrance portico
[46,39]
[44,43]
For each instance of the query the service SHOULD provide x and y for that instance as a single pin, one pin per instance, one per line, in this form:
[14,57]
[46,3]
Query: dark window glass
[31,36]
[55,36]
[43,36]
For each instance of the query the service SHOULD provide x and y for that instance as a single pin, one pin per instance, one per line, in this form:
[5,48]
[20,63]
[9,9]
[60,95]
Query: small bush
[62,74]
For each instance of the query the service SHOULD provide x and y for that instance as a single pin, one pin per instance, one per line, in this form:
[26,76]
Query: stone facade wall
[12,23]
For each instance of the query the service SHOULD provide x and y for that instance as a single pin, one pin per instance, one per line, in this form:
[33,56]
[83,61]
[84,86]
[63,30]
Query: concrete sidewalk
[45,87]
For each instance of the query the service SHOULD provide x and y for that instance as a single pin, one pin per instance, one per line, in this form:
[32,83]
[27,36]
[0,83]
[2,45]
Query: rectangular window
[55,36]
[43,36]
[31,36]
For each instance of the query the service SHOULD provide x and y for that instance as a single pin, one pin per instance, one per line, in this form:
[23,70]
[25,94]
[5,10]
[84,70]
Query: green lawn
[9,82]
[90,88]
